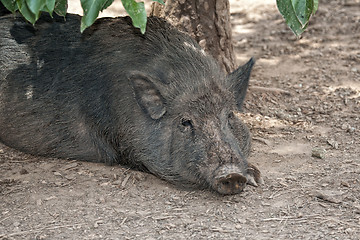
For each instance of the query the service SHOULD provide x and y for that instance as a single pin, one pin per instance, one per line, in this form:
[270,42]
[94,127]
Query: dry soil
[303,110]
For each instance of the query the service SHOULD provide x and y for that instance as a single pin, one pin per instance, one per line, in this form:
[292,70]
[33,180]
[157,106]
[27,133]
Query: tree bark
[207,21]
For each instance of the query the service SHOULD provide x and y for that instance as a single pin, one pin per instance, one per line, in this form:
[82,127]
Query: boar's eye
[231,117]
[186,124]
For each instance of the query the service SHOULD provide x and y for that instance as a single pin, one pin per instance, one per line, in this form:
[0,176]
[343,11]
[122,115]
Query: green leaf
[61,7]
[297,13]
[26,12]
[159,1]
[11,5]
[287,11]
[91,10]
[137,13]
[107,4]
[49,6]
[35,6]
[316,5]
[303,10]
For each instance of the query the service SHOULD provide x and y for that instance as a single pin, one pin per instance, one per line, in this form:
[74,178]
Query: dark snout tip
[232,183]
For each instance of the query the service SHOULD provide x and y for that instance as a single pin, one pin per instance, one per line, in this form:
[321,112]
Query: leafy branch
[296,13]
[31,10]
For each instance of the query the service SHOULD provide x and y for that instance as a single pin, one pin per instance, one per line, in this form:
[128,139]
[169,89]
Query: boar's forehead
[206,102]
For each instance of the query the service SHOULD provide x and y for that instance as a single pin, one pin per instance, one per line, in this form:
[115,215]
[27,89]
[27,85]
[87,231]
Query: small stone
[351,129]
[354,69]
[242,221]
[345,184]
[333,143]
[238,226]
[41,237]
[23,171]
[318,153]
[357,209]
[329,196]
[70,177]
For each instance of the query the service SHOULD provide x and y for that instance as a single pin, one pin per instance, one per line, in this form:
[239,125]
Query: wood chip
[69,166]
[126,179]
[327,196]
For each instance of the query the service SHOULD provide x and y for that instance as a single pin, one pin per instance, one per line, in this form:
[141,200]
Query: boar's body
[153,101]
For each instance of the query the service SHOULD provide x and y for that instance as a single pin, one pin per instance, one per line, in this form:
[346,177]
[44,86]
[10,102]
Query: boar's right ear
[147,95]
[239,81]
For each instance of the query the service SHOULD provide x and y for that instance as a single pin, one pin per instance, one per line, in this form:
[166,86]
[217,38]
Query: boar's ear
[147,95]
[239,81]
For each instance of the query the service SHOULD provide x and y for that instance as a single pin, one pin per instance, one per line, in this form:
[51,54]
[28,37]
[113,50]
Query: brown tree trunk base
[207,21]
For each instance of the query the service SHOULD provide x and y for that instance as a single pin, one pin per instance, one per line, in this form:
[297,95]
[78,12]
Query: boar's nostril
[230,184]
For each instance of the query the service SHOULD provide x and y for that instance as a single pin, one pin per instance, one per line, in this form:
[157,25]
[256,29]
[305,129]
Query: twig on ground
[273,90]
[123,221]
[295,218]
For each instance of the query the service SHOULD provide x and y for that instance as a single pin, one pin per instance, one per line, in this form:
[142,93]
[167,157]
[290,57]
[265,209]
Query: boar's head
[196,137]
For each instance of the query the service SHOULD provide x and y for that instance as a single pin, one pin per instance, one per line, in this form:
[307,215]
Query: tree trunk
[207,21]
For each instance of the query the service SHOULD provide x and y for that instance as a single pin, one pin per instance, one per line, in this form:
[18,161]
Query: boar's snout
[229,179]
[232,183]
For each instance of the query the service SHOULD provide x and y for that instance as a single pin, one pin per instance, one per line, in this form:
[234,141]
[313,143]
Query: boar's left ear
[147,95]
[239,81]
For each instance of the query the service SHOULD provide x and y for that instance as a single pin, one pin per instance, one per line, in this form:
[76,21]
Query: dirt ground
[303,109]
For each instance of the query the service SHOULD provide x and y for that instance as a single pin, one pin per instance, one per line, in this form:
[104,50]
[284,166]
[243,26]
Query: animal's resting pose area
[156,101]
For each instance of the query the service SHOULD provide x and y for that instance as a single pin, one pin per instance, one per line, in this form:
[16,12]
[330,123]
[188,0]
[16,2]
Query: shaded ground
[304,99]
